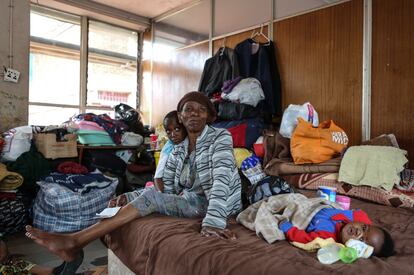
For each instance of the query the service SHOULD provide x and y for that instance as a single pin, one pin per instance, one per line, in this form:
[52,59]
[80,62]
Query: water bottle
[329,254]
[363,250]
[334,252]
[348,255]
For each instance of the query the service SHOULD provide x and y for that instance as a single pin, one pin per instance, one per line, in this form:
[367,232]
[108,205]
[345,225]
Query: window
[55,62]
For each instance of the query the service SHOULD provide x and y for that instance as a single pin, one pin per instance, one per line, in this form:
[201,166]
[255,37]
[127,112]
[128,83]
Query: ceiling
[195,15]
[133,14]
[146,8]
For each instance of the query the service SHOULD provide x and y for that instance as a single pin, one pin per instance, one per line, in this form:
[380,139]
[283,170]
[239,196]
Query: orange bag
[315,145]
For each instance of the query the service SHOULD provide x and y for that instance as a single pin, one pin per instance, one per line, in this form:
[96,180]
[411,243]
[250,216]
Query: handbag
[317,144]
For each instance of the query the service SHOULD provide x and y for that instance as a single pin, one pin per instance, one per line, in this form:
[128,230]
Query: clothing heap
[13,211]
[244,85]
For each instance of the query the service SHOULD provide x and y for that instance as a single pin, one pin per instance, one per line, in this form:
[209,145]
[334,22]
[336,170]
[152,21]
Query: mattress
[165,245]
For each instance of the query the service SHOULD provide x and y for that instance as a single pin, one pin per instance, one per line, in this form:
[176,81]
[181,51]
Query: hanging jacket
[262,66]
[217,69]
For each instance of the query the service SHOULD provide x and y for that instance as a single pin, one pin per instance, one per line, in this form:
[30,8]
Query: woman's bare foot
[62,245]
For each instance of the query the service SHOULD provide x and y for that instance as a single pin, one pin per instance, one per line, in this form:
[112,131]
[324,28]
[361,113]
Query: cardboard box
[52,149]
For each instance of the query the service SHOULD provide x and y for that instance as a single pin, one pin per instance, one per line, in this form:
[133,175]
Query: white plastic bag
[17,142]
[247,91]
[290,118]
[131,139]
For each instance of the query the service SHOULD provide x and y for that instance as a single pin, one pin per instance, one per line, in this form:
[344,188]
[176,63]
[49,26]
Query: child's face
[175,132]
[368,234]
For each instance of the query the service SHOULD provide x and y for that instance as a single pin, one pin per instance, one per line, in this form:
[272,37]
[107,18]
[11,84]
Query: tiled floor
[96,253]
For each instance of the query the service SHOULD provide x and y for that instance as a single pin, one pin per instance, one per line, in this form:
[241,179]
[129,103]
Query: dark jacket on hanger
[262,66]
[217,69]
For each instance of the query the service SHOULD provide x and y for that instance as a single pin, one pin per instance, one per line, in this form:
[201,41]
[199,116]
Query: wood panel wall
[176,76]
[320,60]
[392,86]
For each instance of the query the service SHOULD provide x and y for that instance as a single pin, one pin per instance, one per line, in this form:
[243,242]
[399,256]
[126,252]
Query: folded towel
[9,180]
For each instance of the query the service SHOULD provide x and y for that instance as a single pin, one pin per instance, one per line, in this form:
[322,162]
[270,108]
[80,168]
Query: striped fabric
[217,172]
[59,209]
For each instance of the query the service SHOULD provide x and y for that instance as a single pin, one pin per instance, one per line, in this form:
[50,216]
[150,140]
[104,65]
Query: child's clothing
[327,223]
[165,152]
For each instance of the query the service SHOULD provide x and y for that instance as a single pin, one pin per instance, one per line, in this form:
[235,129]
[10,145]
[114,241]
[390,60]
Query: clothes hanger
[223,46]
[255,34]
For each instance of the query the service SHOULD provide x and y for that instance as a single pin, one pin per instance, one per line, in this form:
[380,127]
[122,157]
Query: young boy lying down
[300,219]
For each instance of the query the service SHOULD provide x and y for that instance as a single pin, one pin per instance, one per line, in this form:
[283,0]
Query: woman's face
[194,116]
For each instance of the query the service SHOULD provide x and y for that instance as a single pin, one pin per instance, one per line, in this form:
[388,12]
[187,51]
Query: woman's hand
[208,231]
[121,200]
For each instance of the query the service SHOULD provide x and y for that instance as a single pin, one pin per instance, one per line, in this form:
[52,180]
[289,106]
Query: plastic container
[334,252]
[258,149]
[327,192]
[348,255]
[329,254]
[344,201]
[153,141]
[362,249]
[157,157]
[96,138]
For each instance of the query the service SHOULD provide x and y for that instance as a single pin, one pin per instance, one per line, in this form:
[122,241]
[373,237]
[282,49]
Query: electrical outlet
[11,75]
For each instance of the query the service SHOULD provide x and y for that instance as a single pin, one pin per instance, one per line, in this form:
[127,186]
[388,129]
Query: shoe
[69,268]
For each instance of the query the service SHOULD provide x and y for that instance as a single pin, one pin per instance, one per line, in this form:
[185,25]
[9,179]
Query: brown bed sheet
[165,245]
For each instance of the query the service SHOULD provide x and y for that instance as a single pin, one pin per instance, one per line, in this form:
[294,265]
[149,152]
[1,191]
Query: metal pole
[83,64]
[366,71]
[212,26]
[11,34]
[272,18]
[139,70]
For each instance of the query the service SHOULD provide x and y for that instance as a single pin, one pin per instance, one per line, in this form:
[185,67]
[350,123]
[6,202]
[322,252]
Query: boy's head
[372,235]
[175,131]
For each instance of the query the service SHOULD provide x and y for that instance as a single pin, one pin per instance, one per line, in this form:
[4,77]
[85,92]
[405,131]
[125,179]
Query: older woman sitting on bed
[201,180]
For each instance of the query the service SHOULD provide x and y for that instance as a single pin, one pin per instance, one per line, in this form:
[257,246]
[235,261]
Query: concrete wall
[14,96]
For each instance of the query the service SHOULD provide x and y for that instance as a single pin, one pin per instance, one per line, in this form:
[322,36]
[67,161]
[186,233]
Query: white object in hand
[108,212]
[363,250]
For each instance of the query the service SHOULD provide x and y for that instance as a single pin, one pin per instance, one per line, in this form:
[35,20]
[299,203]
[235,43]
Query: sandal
[69,268]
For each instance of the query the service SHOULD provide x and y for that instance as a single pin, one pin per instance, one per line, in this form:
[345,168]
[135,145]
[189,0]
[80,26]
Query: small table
[82,147]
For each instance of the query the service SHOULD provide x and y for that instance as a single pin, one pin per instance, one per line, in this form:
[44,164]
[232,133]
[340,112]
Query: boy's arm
[159,184]
[294,234]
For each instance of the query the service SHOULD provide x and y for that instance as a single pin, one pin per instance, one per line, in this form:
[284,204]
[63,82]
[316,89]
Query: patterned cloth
[16,267]
[58,209]
[264,216]
[115,128]
[13,214]
[80,183]
[188,205]
[217,173]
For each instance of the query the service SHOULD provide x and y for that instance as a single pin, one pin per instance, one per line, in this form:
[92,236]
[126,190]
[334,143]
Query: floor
[95,259]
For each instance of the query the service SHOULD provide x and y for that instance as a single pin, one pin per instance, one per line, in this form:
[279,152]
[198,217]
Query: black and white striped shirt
[217,173]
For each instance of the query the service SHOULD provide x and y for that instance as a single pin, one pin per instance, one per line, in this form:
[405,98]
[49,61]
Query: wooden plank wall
[320,60]
[319,55]
[393,70]
[175,77]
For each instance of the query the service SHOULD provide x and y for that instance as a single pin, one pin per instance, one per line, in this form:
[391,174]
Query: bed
[165,245]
